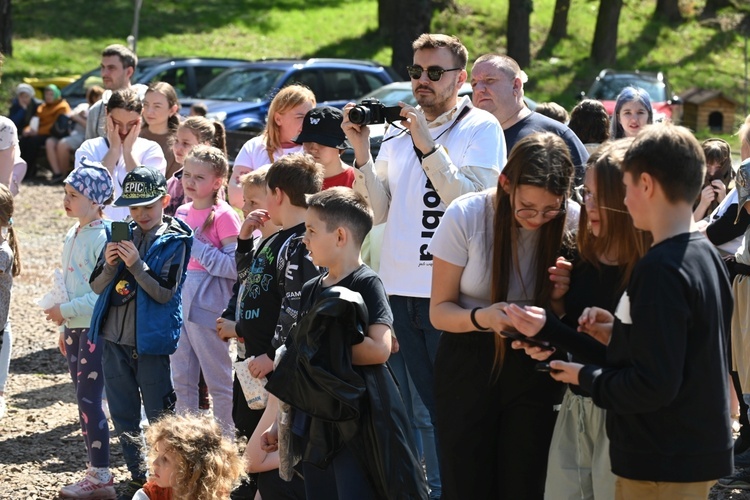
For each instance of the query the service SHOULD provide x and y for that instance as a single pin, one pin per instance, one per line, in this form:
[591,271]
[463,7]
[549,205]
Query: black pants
[494,433]
[30,147]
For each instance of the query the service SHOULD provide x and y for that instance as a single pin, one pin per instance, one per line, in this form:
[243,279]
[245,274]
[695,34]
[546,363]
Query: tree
[604,47]
[6,28]
[519,39]
[413,19]
[559,27]
[387,13]
[669,10]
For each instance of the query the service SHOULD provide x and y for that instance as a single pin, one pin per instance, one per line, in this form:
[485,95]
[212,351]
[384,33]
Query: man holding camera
[440,150]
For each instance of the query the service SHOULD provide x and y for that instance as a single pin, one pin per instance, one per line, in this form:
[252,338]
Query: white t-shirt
[146,153]
[253,154]
[415,207]
[9,138]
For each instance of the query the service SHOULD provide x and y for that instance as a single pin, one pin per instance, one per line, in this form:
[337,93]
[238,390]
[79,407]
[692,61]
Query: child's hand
[260,366]
[54,314]
[111,255]
[527,319]
[596,322]
[721,190]
[61,343]
[127,252]
[254,220]
[560,275]
[269,440]
[226,329]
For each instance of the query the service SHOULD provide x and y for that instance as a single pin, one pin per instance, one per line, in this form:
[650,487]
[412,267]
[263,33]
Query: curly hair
[208,465]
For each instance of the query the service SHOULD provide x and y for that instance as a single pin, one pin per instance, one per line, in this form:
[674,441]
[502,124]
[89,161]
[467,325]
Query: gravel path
[41,448]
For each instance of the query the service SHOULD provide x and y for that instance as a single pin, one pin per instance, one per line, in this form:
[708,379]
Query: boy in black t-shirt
[664,381]
[337,221]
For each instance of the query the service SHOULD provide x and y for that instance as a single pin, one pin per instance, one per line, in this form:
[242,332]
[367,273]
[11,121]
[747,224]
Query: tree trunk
[413,19]
[6,29]
[387,14]
[669,10]
[559,27]
[604,47]
[712,6]
[519,40]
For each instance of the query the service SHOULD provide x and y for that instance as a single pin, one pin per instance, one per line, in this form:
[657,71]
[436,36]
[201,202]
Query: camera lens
[359,115]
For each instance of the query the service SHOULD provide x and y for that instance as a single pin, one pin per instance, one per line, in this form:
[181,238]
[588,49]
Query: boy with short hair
[324,139]
[337,221]
[139,311]
[664,381]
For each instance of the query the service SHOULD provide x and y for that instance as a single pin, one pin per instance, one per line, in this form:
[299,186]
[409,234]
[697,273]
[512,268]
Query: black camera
[371,111]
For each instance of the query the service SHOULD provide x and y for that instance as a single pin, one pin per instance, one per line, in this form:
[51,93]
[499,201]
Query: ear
[505,183]
[129,72]
[341,236]
[646,184]
[165,200]
[277,118]
[173,110]
[463,75]
[218,183]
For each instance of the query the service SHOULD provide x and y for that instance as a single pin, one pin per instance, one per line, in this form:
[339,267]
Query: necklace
[515,113]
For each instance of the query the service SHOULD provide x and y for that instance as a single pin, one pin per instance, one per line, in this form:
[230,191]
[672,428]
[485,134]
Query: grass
[68,39]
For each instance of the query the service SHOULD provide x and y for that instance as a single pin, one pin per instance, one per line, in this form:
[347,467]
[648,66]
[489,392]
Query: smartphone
[545,367]
[545,346]
[121,231]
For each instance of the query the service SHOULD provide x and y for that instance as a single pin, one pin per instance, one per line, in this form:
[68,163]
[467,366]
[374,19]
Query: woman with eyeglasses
[494,412]
[608,247]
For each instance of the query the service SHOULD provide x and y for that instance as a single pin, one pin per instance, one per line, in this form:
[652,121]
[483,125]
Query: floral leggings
[85,365]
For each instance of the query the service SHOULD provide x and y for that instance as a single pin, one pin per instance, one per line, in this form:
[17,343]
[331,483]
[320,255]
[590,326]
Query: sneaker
[90,487]
[737,481]
[131,489]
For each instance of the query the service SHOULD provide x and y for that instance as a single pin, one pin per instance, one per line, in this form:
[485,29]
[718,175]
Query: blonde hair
[208,465]
[6,220]
[217,160]
[256,178]
[744,131]
[288,98]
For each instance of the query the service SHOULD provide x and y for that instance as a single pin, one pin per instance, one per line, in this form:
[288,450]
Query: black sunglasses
[434,73]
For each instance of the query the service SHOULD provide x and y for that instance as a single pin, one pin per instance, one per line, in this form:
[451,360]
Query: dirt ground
[41,448]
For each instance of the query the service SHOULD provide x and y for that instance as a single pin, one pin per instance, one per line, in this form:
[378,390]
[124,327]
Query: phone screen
[120,231]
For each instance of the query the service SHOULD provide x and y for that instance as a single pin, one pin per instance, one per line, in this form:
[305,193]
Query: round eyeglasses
[530,213]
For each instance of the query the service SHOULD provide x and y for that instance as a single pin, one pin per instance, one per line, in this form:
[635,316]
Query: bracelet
[434,148]
[473,317]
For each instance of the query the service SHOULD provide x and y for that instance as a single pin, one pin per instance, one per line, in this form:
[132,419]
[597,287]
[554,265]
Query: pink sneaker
[90,487]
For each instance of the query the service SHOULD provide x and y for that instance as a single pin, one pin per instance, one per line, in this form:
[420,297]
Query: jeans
[424,432]
[127,377]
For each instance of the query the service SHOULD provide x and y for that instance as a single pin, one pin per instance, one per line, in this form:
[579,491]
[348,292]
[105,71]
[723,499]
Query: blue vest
[157,326]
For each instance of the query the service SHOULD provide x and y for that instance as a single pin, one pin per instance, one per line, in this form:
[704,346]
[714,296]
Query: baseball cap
[743,186]
[142,186]
[323,125]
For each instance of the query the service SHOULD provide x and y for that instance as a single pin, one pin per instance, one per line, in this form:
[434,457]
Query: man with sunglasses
[498,81]
[442,149]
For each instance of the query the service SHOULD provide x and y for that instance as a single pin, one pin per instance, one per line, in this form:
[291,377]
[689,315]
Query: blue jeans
[127,377]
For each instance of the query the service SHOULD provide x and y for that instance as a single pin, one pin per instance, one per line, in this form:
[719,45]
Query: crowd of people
[504,303]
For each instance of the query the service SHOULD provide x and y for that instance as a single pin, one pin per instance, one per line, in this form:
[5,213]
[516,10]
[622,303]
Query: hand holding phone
[545,367]
[545,346]
[121,232]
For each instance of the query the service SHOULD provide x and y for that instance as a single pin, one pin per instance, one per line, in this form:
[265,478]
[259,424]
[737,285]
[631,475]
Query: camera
[372,111]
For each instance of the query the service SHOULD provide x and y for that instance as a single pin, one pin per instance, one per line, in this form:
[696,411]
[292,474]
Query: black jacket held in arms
[356,406]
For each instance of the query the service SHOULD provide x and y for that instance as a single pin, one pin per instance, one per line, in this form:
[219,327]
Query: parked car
[609,83]
[390,95]
[240,97]
[186,74]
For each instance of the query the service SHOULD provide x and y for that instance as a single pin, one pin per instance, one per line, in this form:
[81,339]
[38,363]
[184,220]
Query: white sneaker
[90,487]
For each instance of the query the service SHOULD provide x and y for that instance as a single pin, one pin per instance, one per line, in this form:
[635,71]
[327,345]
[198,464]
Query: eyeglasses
[530,213]
[586,197]
[434,73]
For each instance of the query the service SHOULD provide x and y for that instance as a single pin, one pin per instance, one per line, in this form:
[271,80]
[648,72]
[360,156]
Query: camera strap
[464,112]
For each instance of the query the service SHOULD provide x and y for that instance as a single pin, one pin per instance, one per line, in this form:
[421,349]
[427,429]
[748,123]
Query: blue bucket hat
[92,180]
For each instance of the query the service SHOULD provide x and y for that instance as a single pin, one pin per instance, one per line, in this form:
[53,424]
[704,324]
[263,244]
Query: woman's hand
[559,274]
[527,319]
[533,352]
[565,372]
[269,440]
[129,141]
[720,189]
[493,317]
[597,323]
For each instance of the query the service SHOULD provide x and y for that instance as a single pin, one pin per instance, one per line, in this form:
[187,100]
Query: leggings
[6,344]
[85,365]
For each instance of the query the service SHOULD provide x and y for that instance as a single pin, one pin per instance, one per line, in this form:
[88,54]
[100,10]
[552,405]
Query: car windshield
[607,89]
[249,85]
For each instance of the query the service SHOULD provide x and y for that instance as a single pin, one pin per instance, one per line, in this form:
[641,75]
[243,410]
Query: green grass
[53,39]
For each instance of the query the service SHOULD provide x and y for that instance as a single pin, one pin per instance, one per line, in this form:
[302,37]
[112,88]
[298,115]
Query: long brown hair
[6,220]
[618,232]
[540,160]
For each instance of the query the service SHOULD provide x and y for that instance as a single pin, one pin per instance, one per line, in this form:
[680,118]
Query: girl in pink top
[211,272]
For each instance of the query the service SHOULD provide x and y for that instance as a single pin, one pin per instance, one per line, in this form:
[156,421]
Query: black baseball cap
[142,186]
[323,125]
